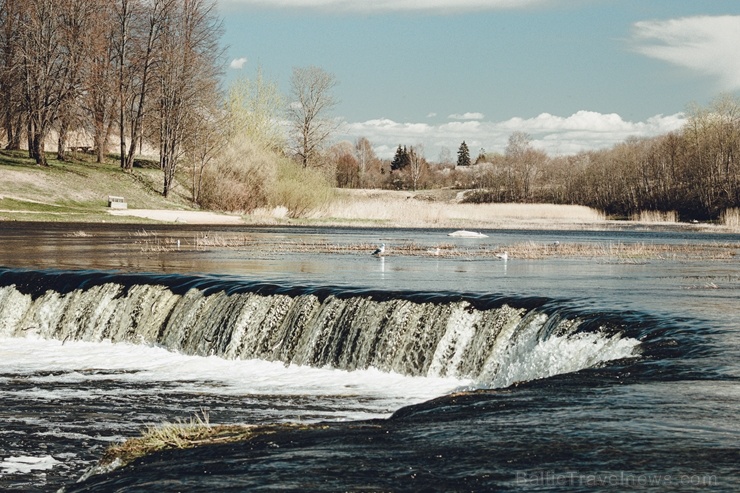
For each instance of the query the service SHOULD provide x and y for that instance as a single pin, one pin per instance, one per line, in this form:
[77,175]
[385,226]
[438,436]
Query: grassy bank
[76,189]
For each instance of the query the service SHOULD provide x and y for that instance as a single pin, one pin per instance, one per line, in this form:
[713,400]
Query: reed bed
[404,209]
[620,251]
[655,217]
[625,252]
[531,250]
[731,218]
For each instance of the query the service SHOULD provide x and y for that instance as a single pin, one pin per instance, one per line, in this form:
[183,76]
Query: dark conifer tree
[463,155]
[401,159]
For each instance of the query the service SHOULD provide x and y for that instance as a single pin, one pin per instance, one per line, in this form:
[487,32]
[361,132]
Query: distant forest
[134,73]
[693,172]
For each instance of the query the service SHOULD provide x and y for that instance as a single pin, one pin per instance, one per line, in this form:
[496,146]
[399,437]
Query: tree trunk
[38,149]
[62,142]
[15,130]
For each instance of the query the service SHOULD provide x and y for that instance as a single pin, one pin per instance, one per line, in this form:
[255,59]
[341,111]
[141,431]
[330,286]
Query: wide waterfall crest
[494,346]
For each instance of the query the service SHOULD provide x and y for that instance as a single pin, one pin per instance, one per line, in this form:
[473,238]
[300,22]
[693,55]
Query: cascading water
[364,366]
[494,344]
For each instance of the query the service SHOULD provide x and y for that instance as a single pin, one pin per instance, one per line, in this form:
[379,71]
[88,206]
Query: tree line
[149,73]
[139,70]
[694,171]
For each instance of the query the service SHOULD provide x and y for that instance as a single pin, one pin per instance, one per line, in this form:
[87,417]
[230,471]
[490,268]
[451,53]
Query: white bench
[115,202]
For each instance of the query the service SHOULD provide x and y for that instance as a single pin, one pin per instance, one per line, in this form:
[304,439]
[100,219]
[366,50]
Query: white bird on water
[503,256]
[380,250]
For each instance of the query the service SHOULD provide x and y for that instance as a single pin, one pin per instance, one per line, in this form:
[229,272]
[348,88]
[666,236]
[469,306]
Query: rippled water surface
[668,415]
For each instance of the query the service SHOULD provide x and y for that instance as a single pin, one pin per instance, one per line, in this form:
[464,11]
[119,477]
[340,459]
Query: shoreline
[212,218]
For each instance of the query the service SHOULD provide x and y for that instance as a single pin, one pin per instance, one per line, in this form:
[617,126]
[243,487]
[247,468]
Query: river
[427,372]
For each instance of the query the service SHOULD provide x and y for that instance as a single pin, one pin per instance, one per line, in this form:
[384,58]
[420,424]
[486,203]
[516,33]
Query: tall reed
[731,218]
[655,217]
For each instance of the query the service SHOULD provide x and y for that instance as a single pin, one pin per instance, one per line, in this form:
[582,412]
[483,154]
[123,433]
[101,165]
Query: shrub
[300,190]
[241,179]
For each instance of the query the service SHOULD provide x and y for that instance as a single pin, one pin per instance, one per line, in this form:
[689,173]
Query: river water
[429,372]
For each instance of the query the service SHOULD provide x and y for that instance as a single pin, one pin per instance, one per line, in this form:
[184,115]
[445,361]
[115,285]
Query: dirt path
[184,217]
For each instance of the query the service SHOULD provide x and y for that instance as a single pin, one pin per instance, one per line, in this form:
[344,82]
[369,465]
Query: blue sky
[574,74]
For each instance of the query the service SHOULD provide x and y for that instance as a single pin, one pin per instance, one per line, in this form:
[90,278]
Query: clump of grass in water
[78,234]
[194,432]
[161,437]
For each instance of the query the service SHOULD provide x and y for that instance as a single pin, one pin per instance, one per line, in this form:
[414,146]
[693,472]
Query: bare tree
[714,137]
[524,163]
[99,100]
[11,81]
[187,75]
[203,145]
[417,164]
[52,48]
[123,19]
[365,156]
[309,111]
[145,54]
[445,156]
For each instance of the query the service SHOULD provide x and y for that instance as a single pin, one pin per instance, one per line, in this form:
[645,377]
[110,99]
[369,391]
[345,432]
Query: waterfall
[495,345]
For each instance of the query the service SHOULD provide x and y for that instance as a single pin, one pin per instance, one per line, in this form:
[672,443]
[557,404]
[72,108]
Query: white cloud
[466,116]
[556,135]
[238,63]
[705,44]
[380,6]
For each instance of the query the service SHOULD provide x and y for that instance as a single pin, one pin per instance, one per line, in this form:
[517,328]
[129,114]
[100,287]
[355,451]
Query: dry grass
[731,218]
[530,250]
[78,234]
[154,242]
[624,252]
[409,209]
[82,185]
[655,217]
[151,241]
[195,432]
[165,436]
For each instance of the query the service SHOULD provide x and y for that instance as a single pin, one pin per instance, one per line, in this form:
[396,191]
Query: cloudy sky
[573,74]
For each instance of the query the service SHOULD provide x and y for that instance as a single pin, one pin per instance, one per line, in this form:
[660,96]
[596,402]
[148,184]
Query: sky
[573,74]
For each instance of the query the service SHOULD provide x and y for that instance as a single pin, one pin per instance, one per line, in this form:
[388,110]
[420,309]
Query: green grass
[24,205]
[77,189]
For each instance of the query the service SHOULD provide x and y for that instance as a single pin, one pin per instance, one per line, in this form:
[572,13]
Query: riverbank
[78,190]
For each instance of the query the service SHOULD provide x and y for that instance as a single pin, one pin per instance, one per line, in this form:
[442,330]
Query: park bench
[115,202]
[84,149]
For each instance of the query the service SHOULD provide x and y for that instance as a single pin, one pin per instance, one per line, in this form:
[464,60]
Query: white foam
[25,464]
[79,361]
[532,359]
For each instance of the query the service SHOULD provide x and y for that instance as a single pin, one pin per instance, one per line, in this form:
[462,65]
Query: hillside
[77,189]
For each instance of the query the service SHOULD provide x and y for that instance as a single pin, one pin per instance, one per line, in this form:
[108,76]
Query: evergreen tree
[401,159]
[463,155]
